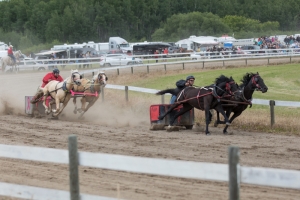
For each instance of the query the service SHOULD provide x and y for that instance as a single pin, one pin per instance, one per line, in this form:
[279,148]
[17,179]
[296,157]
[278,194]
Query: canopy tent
[48,52]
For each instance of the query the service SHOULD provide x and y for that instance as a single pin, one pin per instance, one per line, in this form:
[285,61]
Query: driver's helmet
[55,71]
[189,77]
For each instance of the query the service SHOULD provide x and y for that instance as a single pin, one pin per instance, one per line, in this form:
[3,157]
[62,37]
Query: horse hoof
[207,133]
[228,123]
[225,132]
[216,124]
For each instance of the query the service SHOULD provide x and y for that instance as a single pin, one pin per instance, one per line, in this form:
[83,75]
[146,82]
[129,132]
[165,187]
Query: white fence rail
[184,169]
[178,58]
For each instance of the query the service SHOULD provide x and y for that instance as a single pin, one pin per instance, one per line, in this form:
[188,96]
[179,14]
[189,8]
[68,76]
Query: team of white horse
[60,92]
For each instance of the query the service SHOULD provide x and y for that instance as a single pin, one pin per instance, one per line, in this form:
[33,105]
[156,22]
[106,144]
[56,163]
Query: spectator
[156,52]
[166,52]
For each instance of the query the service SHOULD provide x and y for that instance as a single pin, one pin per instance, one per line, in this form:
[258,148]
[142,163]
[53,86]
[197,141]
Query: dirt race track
[115,129]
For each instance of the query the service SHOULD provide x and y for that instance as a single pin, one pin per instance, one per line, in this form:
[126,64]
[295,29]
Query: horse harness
[64,87]
[212,92]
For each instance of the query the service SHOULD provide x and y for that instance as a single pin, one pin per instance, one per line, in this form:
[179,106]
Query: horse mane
[222,79]
[246,78]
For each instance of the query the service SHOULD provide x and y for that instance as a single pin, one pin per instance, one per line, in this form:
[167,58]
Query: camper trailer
[194,43]
[115,44]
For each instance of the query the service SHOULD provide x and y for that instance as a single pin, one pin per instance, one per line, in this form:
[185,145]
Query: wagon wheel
[189,127]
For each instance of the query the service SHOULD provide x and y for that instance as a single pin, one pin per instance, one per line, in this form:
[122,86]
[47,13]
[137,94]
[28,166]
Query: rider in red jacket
[10,53]
[51,76]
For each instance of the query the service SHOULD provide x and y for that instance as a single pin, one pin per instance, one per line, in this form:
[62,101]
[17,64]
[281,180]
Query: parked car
[42,58]
[31,65]
[24,57]
[119,59]
[27,65]
[196,56]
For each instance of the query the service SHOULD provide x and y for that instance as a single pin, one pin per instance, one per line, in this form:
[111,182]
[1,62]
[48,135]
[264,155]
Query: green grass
[283,81]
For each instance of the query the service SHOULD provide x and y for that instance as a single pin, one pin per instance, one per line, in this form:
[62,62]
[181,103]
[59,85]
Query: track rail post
[272,113]
[73,168]
[234,173]
[126,93]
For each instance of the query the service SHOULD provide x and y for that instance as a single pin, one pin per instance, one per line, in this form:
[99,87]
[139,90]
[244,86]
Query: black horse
[204,98]
[250,82]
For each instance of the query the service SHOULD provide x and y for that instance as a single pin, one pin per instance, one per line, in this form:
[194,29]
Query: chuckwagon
[186,120]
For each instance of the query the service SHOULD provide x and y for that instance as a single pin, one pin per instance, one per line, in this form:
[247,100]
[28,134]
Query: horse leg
[83,102]
[74,102]
[57,102]
[59,110]
[221,110]
[172,107]
[88,106]
[47,110]
[235,115]
[218,121]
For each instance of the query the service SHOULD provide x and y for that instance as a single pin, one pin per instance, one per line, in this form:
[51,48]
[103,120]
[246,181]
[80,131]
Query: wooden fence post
[148,69]
[290,59]
[183,66]
[118,72]
[131,70]
[73,168]
[126,93]
[93,73]
[165,67]
[203,65]
[234,173]
[272,105]
[223,63]
[102,93]
[268,61]
[163,99]
[246,62]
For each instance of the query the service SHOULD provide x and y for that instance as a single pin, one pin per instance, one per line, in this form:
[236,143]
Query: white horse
[91,91]
[60,92]
[8,61]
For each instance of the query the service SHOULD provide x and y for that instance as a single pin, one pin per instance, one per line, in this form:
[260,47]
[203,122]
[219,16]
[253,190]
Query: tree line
[28,23]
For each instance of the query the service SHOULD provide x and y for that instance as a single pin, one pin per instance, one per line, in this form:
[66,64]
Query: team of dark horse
[225,96]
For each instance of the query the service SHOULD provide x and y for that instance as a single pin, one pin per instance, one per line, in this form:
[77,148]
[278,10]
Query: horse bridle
[254,80]
[100,77]
[72,75]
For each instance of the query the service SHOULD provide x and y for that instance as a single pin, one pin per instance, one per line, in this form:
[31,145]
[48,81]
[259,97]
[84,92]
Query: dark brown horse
[204,98]
[250,82]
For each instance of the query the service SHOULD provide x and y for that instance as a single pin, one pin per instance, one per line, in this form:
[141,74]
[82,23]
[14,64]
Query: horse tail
[171,91]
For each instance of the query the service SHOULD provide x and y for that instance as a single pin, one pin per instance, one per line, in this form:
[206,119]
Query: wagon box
[186,120]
